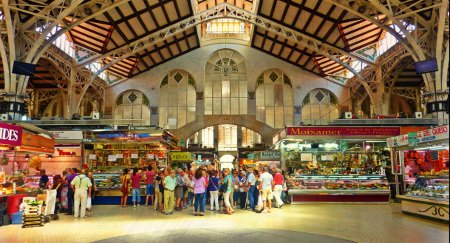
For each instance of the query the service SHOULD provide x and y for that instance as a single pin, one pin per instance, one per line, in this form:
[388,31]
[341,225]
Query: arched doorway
[227,161]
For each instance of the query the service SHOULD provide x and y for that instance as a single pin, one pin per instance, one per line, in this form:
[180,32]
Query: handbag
[224,187]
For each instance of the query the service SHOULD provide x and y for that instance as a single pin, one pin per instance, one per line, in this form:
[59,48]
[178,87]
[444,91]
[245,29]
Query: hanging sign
[269,156]
[72,135]
[119,156]
[180,156]
[10,134]
[93,156]
[134,156]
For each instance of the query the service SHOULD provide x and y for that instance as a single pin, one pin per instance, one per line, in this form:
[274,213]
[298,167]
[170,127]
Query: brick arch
[247,121]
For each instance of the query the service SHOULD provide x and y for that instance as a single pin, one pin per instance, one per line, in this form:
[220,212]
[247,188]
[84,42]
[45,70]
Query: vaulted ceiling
[321,20]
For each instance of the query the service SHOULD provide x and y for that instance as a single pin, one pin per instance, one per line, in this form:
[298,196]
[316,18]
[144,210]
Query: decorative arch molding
[319,107]
[274,99]
[226,83]
[177,99]
[132,104]
[247,121]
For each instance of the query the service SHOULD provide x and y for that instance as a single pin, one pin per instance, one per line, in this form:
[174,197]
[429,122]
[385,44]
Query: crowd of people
[170,190]
[75,191]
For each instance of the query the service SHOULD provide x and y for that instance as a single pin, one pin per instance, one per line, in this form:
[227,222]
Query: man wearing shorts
[267,184]
[179,178]
[149,189]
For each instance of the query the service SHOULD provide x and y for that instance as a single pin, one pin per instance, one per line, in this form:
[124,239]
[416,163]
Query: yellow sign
[181,156]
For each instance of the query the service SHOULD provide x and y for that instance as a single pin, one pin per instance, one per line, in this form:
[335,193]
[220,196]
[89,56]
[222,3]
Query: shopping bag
[89,203]
[259,207]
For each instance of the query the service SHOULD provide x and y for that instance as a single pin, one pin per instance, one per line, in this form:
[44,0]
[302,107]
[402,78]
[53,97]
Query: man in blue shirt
[251,180]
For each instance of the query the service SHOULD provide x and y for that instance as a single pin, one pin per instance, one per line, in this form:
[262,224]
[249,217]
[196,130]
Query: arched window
[250,137]
[274,103]
[132,104]
[319,107]
[225,84]
[177,100]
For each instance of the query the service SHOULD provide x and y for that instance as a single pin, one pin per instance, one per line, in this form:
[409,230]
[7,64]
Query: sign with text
[433,134]
[269,156]
[424,136]
[112,157]
[10,134]
[75,135]
[181,156]
[342,131]
[397,141]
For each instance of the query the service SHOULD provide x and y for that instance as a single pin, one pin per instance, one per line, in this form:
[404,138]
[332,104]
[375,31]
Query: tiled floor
[292,223]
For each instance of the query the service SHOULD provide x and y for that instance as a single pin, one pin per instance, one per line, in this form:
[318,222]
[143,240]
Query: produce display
[338,183]
[430,187]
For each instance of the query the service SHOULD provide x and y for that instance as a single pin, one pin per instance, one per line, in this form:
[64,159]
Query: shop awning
[131,136]
[36,143]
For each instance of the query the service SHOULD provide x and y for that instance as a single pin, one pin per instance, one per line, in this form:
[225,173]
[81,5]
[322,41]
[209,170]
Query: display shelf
[339,188]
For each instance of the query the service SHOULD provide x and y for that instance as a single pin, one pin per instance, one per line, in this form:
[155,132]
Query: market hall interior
[336,112]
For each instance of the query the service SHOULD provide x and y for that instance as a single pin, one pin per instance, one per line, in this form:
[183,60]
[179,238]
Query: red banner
[343,131]
[10,134]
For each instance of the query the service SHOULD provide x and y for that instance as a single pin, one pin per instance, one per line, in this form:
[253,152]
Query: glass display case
[339,188]
[428,197]
[109,187]
[107,181]
[31,185]
[430,187]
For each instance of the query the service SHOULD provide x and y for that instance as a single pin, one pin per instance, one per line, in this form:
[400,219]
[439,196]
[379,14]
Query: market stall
[68,152]
[23,147]
[109,152]
[336,164]
[422,158]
